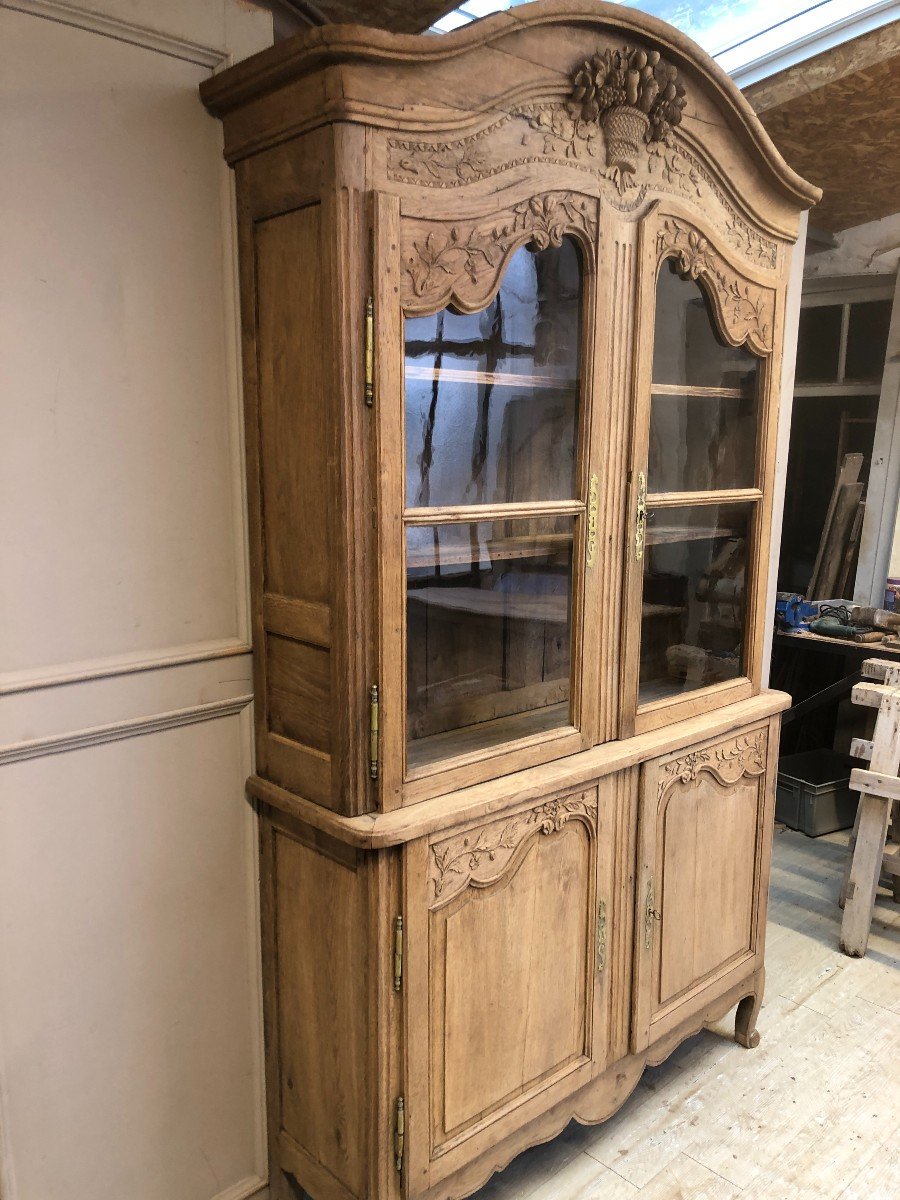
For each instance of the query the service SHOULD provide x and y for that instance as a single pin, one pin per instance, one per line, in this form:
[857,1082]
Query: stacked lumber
[840,536]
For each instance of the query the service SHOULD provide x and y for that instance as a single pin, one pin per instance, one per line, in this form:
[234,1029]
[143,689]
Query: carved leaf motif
[746,309]
[728,762]
[481,857]
[438,265]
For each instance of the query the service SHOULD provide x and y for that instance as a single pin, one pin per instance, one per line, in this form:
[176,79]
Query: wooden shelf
[497,550]
[513,606]
[423,752]
[688,390]
[664,535]
[662,610]
[496,378]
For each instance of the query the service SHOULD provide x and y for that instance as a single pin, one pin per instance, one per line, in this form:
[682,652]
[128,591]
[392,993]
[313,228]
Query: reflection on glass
[693,618]
[819,343]
[701,443]
[492,397]
[686,348]
[867,335]
[489,621]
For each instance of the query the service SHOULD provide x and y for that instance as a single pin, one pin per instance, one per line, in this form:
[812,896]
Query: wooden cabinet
[512,321]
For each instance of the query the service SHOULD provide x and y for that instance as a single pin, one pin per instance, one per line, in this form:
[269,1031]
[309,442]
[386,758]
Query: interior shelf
[516,606]
[687,390]
[497,550]
[497,378]
[663,535]
[422,752]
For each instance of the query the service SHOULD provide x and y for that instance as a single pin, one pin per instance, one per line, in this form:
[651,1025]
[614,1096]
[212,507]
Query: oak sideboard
[513,303]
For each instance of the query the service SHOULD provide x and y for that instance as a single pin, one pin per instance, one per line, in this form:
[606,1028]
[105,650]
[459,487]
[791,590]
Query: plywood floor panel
[811,1114]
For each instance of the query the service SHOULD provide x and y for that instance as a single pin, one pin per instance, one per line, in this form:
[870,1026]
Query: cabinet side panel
[293,422]
[320,975]
[296,487]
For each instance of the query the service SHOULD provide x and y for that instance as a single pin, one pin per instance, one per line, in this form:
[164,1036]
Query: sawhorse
[879,790]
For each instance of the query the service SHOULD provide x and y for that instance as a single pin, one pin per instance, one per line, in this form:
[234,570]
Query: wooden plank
[849,473]
[842,587]
[883,669]
[860,748]
[870,695]
[886,786]
[836,545]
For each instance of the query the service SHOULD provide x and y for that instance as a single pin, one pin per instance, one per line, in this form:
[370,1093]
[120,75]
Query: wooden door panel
[706,896]
[704,840]
[507,992]
[511,968]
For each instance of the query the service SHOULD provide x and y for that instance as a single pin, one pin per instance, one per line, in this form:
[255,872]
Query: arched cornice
[344,44]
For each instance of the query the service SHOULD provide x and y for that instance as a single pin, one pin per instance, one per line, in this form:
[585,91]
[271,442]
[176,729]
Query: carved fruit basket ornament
[635,97]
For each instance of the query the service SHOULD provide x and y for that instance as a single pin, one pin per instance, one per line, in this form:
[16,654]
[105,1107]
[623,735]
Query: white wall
[130,1040]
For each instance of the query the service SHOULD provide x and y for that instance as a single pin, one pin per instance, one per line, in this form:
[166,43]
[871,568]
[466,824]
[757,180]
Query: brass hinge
[373,731]
[640,520]
[370,351]
[593,510]
[651,914]
[399,1133]
[398,953]
[601,936]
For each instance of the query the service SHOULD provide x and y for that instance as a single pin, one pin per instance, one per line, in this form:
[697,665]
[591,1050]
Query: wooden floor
[812,1114]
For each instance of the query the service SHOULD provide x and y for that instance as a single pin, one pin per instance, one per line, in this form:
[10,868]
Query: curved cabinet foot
[745,1032]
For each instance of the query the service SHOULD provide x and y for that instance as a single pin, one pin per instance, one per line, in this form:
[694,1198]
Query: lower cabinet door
[704,845]
[504,976]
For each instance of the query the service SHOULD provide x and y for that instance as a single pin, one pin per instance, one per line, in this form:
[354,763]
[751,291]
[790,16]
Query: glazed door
[701,479]
[488,496]
[705,831]
[506,986]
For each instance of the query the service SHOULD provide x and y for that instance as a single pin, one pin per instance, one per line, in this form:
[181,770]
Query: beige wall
[130,1062]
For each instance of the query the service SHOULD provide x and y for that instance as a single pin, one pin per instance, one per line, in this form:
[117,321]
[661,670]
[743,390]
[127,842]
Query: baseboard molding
[116,731]
[253,1185]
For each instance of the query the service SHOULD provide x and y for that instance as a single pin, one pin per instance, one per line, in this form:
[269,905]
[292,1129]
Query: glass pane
[701,443]
[489,623]
[686,348]
[867,335]
[819,343]
[692,616]
[492,397]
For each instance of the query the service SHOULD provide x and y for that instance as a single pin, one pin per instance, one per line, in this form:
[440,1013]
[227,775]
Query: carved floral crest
[727,762]
[482,856]
[634,95]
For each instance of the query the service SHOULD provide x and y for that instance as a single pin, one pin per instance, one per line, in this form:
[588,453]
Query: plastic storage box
[813,792]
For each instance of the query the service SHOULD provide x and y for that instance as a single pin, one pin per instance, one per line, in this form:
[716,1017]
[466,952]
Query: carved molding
[727,763]
[482,856]
[547,132]
[746,311]
[462,263]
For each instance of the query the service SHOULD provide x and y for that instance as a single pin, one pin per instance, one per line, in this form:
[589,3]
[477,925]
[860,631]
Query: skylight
[749,38]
